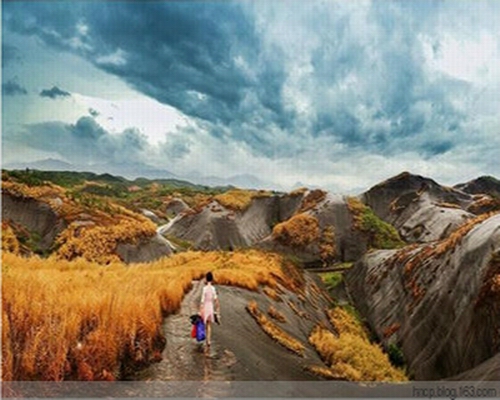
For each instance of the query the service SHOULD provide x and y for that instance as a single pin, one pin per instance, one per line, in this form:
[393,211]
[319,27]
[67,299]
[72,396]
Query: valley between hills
[100,275]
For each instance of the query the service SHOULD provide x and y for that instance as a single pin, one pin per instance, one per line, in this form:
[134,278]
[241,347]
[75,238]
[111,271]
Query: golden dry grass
[349,354]
[95,225]
[343,322]
[327,245]
[449,205]
[83,321]
[276,333]
[99,243]
[235,199]
[323,372]
[299,231]
[46,193]
[272,293]
[275,314]
[455,238]
[312,199]
[9,239]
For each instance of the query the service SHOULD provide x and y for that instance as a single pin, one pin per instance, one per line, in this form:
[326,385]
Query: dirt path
[183,358]
[241,351]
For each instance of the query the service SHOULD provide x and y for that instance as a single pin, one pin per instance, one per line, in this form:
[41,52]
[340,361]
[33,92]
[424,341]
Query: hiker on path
[208,299]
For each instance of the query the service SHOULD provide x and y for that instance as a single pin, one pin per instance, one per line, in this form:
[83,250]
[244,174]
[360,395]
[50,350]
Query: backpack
[200,330]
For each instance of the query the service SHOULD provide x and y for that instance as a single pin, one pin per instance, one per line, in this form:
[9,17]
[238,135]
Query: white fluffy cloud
[331,93]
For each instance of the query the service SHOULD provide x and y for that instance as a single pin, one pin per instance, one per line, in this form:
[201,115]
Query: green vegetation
[396,356]
[33,177]
[180,244]
[331,279]
[94,190]
[381,235]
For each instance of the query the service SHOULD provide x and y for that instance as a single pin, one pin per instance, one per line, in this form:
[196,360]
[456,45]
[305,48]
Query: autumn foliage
[349,353]
[274,331]
[299,231]
[79,320]
[9,239]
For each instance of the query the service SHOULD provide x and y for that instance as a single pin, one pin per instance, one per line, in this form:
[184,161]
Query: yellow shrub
[79,320]
[299,231]
[275,314]
[344,322]
[274,331]
[44,193]
[327,245]
[312,199]
[353,357]
[235,199]
[9,239]
[99,243]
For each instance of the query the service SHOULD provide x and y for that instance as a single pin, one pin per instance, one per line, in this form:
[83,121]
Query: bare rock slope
[439,302]
[419,208]
[35,216]
[217,227]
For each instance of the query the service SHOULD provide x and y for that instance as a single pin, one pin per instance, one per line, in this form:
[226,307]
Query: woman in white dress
[209,299]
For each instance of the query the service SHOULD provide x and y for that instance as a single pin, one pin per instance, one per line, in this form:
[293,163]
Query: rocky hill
[419,208]
[426,274]
[47,218]
[312,225]
[439,302]
[482,185]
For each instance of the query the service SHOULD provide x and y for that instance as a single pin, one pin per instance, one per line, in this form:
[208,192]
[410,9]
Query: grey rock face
[36,216]
[176,206]
[217,227]
[438,297]
[151,215]
[145,251]
[482,185]
[419,208]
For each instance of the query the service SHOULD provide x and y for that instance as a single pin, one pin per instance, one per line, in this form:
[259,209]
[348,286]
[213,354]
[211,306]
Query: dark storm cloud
[12,88]
[202,58]
[367,85]
[85,142]
[10,54]
[54,93]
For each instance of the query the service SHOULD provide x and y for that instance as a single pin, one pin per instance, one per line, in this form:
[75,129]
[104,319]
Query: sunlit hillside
[79,320]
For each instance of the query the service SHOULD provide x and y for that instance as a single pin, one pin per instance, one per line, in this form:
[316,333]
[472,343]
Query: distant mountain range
[141,170]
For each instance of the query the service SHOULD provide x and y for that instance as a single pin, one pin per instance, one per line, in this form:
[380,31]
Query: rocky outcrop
[151,215]
[214,227]
[176,206]
[217,227]
[482,185]
[36,216]
[419,208]
[330,213]
[439,302]
[144,251]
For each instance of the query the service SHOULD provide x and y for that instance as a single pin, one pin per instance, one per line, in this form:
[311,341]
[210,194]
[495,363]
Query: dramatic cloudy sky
[339,94]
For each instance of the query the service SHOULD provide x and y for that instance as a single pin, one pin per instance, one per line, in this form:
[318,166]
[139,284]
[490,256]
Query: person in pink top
[208,300]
